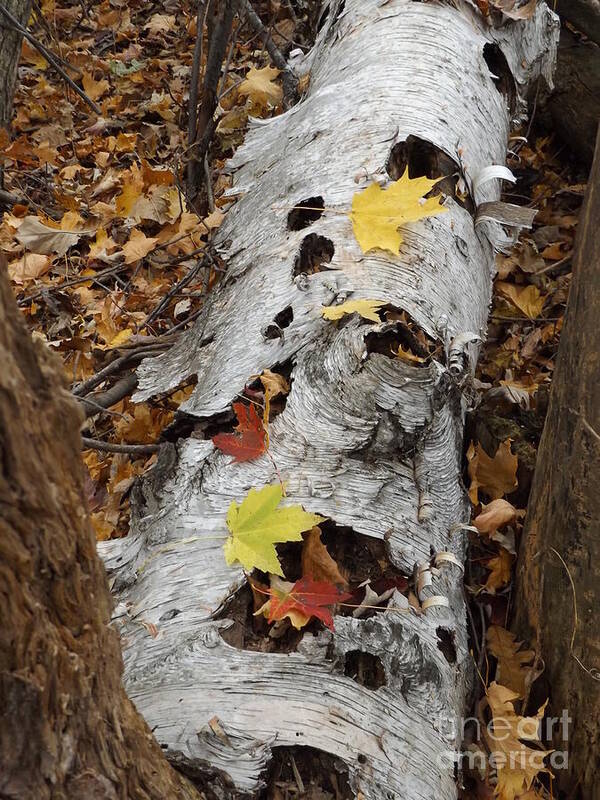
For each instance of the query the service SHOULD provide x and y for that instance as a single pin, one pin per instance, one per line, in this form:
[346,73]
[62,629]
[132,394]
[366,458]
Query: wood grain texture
[575,102]
[564,518]
[365,439]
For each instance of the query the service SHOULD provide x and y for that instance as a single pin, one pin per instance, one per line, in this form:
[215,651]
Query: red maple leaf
[309,597]
[249,441]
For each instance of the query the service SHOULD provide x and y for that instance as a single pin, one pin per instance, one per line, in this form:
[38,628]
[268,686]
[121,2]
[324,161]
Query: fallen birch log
[366,439]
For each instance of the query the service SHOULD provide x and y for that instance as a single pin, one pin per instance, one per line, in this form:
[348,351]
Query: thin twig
[129,449]
[290,80]
[188,278]
[93,404]
[194,86]
[50,57]
[90,384]
[73,282]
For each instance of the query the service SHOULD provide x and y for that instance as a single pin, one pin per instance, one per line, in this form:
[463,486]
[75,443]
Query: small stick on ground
[128,449]
[73,282]
[188,278]
[138,354]
[102,400]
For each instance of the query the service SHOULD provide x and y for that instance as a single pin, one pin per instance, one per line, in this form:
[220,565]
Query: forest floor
[105,256]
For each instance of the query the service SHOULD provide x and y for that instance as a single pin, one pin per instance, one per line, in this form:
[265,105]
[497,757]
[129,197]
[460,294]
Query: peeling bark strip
[366,439]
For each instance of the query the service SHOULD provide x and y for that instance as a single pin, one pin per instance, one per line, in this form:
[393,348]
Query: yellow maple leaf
[366,308]
[377,213]
[256,524]
[526,298]
[259,85]
[516,668]
[517,763]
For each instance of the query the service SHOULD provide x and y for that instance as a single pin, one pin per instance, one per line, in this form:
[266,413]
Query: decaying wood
[575,102]
[559,567]
[365,439]
[583,14]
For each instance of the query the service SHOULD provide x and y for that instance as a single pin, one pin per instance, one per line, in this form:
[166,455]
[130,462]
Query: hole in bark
[254,393]
[446,644]
[305,773]
[365,668]
[284,318]
[359,559]
[305,213]
[249,632]
[213,783]
[424,160]
[405,339]
[500,73]
[315,252]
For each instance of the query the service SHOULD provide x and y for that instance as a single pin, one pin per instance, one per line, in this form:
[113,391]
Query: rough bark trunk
[563,523]
[367,440]
[583,14]
[575,102]
[67,729]
[10,49]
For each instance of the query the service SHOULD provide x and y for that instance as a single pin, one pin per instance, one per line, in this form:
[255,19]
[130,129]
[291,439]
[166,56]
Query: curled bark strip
[367,439]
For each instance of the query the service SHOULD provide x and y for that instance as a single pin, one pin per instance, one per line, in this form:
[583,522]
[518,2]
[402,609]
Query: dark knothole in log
[315,252]
[403,339]
[424,160]
[365,668]
[305,213]
[284,318]
[305,772]
[501,74]
[446,644]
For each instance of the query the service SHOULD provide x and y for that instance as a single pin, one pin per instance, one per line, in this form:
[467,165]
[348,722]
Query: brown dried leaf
[494,515]
[316,561]
[495,476]
[516,668]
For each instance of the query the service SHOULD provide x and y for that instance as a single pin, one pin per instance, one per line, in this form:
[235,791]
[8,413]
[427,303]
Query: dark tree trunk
[574,105]
[10,49]
[67,729]
[563,523]
[583,14]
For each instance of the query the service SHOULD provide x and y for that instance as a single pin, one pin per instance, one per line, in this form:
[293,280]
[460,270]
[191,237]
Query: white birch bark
[369,441]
